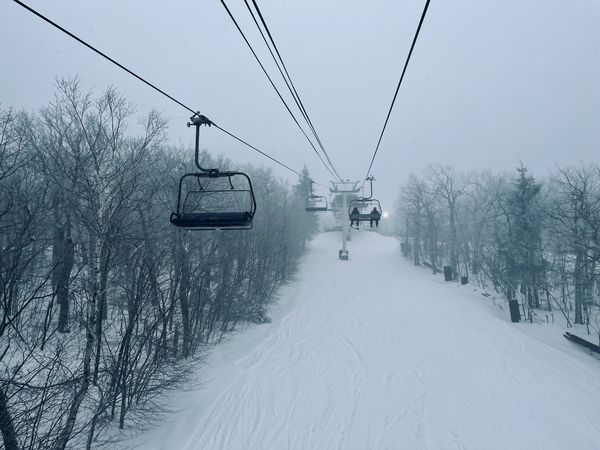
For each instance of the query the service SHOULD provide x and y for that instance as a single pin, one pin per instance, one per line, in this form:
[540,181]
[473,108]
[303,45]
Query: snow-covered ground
[373,353]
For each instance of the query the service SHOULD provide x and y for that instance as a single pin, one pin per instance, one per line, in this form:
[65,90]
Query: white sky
[490,81]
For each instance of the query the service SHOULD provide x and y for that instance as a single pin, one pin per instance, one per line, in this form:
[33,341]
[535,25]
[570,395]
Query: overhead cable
[275,87]
[286,77]
[143,80]
[263,153]
[398,87]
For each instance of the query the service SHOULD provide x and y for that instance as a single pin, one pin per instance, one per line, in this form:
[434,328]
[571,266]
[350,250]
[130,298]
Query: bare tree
[450,187]
[103,303]
[575,211]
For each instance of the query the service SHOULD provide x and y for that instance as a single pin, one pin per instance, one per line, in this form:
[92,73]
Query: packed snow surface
[373,353]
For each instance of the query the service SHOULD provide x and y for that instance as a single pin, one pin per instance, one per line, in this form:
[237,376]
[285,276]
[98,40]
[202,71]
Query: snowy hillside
[374,353]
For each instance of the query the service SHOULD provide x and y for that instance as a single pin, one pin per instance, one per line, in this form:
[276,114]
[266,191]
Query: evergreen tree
[524,236]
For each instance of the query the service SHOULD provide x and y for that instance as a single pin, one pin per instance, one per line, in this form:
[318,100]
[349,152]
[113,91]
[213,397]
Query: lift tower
[344,188]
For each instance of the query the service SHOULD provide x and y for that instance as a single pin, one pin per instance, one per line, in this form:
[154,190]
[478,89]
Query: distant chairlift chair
[364,207]
[315,203]
[211,199]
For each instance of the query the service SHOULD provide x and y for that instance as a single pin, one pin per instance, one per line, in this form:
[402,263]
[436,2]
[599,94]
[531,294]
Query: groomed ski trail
[373,353]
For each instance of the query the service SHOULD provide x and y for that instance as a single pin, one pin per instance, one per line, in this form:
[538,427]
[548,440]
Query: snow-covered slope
[373,353]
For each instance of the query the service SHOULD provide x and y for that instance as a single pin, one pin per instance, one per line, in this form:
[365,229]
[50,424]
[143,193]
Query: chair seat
[213,220]
[365,217]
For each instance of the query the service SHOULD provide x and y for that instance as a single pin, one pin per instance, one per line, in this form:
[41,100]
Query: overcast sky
[490,81]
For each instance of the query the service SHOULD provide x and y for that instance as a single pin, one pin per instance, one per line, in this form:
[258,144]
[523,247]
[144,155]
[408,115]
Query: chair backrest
[208,201]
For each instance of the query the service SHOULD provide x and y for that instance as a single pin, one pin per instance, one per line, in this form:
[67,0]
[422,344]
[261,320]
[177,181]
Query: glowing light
[385,215]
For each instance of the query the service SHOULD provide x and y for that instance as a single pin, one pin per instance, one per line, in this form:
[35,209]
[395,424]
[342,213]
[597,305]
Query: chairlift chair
[315,203]
[364,207]
[211,199]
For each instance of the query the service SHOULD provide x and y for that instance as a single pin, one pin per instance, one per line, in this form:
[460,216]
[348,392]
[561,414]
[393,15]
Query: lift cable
[397,88]
[264,154]
[183,105]
[286,77]
[275,88]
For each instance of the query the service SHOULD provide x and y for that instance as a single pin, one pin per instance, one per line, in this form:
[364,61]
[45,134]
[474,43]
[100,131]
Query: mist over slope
[375,353]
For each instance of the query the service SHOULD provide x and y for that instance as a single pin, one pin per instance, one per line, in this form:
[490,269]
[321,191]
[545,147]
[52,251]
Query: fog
[490,82]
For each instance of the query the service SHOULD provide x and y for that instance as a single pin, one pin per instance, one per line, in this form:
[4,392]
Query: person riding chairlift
[354,216]
[374,216]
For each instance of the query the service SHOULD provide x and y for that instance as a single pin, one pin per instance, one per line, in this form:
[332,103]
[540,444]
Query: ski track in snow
[373,353]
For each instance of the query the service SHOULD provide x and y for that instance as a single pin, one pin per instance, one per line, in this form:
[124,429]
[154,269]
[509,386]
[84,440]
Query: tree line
[535,241]
[103,303]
